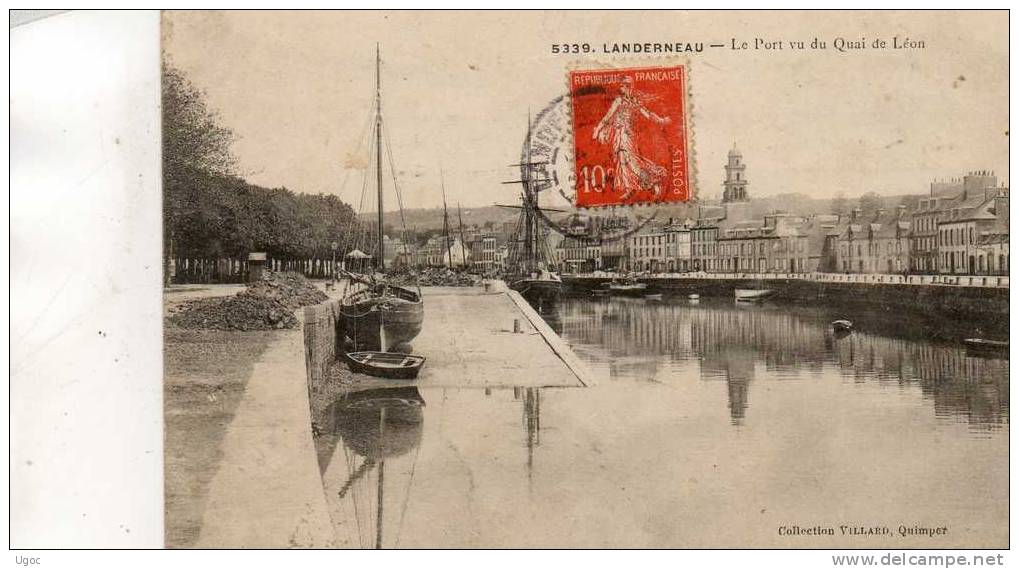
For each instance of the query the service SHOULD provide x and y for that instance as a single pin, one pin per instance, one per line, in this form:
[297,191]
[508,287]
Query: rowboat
[981,346]
[652,296]
[390,365]
[628,287]
[752,294]
[842,326]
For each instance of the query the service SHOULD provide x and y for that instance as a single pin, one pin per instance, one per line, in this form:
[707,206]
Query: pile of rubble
[238,312]
[268,304]
[436,277]
[290,289]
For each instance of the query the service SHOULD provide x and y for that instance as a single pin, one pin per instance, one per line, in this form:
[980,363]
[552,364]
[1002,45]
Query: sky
[296,89]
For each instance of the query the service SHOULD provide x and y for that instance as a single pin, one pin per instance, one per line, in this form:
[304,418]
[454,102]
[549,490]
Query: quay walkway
[989,281]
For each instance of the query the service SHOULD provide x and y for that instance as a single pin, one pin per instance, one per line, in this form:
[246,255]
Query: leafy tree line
[213,215]
[210,212]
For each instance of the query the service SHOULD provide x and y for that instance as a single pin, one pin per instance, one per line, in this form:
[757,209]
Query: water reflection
[369,442]
[550,314]
[376,427]
[530,397]
[718,340]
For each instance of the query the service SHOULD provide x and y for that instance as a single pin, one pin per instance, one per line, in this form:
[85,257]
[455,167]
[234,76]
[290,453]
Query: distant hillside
[431,218]
[799,204]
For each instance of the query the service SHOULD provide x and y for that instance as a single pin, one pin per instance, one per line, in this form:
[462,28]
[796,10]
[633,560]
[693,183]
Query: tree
[192,134]
[840,205]
[194,144]
[871,201]
[208,212]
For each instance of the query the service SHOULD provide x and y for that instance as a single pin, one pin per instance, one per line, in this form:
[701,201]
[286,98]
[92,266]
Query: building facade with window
[484,252]
[970,237]
[578,256]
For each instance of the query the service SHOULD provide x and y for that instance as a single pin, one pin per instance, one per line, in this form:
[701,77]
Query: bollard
[516,325]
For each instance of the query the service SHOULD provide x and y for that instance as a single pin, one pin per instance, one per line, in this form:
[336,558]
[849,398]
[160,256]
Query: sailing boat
[380,316]
[530,271]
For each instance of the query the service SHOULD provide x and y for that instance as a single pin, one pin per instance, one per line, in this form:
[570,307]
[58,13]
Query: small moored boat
[753,294]
[842,326]
[982,346]
[694,297]
[626,287]
[390,365]
[653,296]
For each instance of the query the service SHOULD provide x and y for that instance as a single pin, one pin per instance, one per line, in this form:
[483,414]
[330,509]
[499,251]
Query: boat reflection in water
[368,484]
[717,340]
[550,313]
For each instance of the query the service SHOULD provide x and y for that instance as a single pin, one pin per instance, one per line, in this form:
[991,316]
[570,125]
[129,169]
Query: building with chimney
[973,234]
[575,255]
[662,249]
[944,197]
[875,242]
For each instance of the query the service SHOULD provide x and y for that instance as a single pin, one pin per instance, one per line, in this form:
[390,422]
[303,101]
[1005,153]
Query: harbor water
[711,425]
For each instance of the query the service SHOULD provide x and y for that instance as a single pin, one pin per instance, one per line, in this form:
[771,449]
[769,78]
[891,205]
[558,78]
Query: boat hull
[369,363]
[842,326]
[752,295]
[628,290]
[985,348]
[538,291]
[381,323]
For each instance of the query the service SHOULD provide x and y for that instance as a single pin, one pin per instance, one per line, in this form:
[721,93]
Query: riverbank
[239,461]
[985,298]
[204,377]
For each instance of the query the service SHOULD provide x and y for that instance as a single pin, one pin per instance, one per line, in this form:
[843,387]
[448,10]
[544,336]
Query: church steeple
[735,185]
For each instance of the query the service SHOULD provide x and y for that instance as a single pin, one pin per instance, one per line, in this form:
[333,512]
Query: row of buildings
[960,228]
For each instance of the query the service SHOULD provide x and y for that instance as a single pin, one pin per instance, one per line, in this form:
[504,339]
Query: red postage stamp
[630,136]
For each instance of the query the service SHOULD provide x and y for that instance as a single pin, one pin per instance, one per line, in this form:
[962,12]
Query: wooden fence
[188,270]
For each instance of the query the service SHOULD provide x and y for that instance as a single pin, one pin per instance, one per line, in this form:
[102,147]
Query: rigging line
[364,237]
[356,236]
[406,498]
[361,138]
[353,497]
[399,199]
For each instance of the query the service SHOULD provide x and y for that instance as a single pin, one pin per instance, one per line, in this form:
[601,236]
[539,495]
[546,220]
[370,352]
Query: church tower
[735,185]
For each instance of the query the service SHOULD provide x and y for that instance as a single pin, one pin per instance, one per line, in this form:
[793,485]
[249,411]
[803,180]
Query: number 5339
[571,48]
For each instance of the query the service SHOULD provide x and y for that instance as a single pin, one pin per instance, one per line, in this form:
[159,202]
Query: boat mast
[528,213]
[445,220]
[463,240]
[378,153]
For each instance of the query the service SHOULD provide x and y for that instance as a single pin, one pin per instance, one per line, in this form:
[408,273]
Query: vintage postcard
[710,279]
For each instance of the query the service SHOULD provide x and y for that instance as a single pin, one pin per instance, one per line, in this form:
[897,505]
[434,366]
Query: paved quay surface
[469,341]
